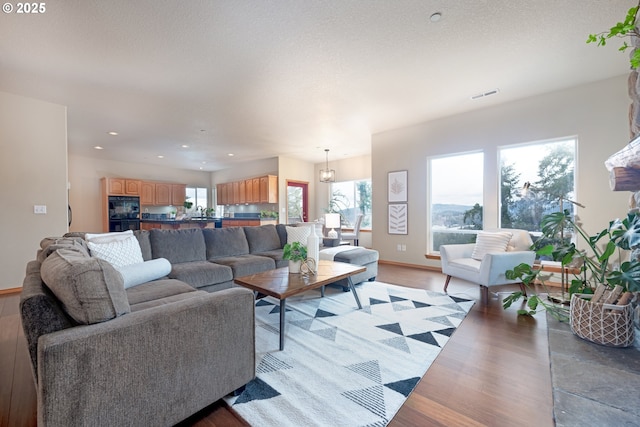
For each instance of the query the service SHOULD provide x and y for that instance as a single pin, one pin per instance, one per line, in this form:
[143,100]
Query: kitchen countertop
[181,221]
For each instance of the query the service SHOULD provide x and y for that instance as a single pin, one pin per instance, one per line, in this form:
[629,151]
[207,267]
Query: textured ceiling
[289,77]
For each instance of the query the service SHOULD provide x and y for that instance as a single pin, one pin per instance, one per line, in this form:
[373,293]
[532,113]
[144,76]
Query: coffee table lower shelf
[281,284]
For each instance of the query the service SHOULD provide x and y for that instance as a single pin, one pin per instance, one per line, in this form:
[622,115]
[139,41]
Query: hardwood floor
[493,372]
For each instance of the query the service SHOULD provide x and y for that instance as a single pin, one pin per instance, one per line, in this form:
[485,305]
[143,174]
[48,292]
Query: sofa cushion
[136,274]
[490,242]
[244,265]
[119,249]
[89,289]
[145,243]
[225,242]
[178,246]
[201,273]
[262,238]
[275,255]
[156,290]
[282,234]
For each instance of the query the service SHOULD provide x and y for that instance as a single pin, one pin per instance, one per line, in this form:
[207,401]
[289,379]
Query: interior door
[297,201]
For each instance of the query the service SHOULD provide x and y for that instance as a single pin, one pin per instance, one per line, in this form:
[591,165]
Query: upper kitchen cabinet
[123,186]
[178,194]
[147,193]
[252,191]
[269,189]
[163,194]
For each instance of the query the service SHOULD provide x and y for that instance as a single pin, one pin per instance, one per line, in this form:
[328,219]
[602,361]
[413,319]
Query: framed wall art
[398,218]
[397,187]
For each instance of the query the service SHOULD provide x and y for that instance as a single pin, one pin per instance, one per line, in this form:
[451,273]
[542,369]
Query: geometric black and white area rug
[342,366]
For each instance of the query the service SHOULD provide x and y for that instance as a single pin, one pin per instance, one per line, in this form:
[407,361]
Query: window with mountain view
[548,168]
[456,198]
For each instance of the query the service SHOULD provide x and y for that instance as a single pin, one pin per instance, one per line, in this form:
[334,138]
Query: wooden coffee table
[280,284]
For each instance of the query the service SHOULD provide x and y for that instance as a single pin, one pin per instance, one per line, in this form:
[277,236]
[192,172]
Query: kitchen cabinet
[123,187]
[256,190]
[163,194]
[248,190]
[269,189]
[240,223]
[221,194]
[178,194]
[147,193]
[236,193]
[149,225]
[263,189]
[242,193]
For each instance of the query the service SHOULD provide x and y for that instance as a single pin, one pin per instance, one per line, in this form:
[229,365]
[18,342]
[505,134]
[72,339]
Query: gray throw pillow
[90,289]
[263,238]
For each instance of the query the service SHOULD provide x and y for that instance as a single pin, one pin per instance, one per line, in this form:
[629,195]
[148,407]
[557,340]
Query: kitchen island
[177,224]
[198,222]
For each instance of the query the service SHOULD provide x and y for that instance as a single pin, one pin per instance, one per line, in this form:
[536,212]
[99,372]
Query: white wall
[596,113]
[33,171]
[84,178]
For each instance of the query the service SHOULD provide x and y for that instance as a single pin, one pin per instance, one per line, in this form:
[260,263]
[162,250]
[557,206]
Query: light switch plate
[40,209]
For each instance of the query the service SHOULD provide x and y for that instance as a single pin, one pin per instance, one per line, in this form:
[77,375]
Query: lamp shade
[332,220]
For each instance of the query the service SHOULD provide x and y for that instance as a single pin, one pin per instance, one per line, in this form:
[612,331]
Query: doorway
[297,201]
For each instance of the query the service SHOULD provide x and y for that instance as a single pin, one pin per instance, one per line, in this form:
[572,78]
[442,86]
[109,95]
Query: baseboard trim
[404,264]
[10,291]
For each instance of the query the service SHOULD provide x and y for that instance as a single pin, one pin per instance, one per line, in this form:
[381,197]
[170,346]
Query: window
[456,198]
[197,196]
[350,198]
[548,168]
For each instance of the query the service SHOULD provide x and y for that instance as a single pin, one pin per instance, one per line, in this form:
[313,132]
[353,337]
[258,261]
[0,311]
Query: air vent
[485,94]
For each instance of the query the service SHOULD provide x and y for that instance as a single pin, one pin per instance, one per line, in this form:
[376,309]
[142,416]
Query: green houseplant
[602,261]
[627,28]
[296,253]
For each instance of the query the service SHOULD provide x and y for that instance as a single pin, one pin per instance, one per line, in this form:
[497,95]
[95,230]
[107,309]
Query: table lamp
[332,221]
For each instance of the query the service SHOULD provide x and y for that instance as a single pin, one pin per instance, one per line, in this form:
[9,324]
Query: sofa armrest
[451,252]
[494,266]
[152,367]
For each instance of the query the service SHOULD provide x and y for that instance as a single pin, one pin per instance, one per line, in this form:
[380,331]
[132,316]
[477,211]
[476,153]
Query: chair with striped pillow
[486,261]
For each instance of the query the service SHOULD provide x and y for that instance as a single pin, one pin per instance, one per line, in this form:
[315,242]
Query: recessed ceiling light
[201,168]
[97,147]
[204,163]
[184,146]
[161,157]
[230,154]
[112,133]
[435,17]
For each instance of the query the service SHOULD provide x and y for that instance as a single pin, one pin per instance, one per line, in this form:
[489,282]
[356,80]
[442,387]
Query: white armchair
[457,261]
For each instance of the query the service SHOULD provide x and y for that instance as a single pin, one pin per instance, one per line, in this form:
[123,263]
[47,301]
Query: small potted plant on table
[296,253]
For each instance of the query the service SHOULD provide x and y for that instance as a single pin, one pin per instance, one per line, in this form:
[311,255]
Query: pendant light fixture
[327,175]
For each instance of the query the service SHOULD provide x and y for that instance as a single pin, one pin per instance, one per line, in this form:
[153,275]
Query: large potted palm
[607,283]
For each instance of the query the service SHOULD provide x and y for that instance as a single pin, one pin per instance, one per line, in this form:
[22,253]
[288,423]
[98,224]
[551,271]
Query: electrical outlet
[404,248]
[399,247]
[40,209]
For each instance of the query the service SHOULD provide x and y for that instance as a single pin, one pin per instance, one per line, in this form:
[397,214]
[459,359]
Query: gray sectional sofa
[157,352]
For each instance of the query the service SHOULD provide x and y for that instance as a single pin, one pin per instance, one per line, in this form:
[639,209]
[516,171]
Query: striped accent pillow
[490,242]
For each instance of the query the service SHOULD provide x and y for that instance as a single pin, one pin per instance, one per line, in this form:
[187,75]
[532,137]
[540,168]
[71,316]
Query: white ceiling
[289,77]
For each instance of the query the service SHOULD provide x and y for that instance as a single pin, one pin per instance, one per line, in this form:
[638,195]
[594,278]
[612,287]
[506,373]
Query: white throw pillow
[108,237]
[298,234]
[136,274]
[117,250]
[490,242]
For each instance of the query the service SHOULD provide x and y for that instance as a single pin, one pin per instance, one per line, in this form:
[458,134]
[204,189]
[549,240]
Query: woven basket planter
[605,324]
